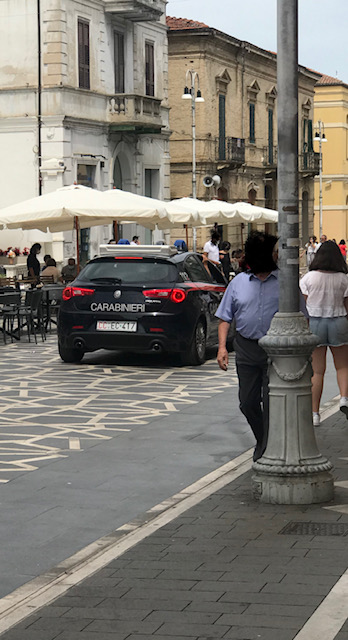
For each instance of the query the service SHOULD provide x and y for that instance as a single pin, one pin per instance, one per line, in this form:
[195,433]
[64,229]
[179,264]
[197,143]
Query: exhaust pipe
[79,344]
[157,347]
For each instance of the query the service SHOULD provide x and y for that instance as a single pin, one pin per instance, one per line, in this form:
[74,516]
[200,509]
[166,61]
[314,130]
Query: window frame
[83,48]
[149,68]
[252,109]
[119,61]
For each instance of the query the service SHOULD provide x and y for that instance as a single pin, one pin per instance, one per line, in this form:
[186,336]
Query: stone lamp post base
[292,470]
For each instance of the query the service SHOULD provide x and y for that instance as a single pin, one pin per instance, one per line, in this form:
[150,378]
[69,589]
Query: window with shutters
[252,122]
[222,127]
[83,54]
[149,69]
[270,136]
[119,62]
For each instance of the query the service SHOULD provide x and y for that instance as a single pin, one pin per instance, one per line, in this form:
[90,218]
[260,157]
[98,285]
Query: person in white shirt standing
[211,249]
[325,289]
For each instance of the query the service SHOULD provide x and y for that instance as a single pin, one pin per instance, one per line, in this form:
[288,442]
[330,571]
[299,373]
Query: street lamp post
[291,470]
[190,94]
[320,135]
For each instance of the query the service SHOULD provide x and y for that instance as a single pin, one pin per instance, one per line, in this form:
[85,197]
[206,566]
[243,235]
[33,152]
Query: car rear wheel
[196,354]
[70,355]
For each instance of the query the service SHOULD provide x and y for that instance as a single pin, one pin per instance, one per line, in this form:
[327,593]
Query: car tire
[70,355]
[197,351]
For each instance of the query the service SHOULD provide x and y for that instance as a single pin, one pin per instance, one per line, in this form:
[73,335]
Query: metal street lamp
[320,136]
[190,94]
[291,470]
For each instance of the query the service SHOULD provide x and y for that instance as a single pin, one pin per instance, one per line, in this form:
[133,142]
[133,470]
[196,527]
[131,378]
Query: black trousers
[252,370]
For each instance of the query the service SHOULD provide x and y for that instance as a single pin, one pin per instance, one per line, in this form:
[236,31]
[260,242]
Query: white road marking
[74,443]
[330,616]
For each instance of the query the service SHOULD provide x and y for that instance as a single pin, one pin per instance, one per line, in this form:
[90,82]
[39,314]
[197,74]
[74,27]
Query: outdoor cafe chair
[30,314]
[9,301]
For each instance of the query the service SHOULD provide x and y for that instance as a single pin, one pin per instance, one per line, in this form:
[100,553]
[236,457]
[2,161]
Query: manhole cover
[315,529]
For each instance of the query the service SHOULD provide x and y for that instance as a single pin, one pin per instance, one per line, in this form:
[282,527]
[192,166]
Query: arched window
[222,194]
[117,174]
[252,196]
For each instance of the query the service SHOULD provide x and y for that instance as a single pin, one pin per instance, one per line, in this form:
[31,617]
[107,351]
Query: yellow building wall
[331,108]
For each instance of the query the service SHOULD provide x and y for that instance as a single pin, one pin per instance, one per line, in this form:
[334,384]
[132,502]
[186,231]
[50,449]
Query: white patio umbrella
[223,212]
[177,213]
[57,211]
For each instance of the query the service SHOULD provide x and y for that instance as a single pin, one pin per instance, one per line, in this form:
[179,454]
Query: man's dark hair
[259,252]
[36,247]
[51,262]
[329,258]
[225,245]
[215,237]
[342,241]
[46,257]
[135,238]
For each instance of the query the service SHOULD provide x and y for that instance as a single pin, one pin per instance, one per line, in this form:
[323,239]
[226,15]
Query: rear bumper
[121,342]
[175,334]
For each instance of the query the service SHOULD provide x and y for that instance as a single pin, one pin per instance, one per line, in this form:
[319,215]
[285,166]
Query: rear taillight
[72,292]
[175,295]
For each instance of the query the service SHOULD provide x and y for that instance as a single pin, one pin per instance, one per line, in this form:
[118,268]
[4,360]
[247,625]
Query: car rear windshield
[130,271]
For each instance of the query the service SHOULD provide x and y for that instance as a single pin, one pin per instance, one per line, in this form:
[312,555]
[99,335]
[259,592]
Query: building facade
[331,109]
[236,126]
[84,98]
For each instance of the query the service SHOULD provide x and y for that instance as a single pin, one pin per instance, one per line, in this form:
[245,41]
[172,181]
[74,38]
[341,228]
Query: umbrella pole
[186,229]
[77,243]
[115,231]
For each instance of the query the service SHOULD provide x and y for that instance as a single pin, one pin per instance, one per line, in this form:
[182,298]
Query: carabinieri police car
[141,299]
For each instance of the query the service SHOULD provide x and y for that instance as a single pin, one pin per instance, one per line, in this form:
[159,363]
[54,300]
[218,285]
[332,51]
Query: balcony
[309,163]
[230,151]
[130,112]
[136,10]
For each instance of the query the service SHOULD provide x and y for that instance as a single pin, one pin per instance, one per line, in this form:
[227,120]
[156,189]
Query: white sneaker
[316,419]
[344,405]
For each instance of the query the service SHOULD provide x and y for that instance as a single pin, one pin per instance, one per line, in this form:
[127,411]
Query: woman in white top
[311,248]
[325,288]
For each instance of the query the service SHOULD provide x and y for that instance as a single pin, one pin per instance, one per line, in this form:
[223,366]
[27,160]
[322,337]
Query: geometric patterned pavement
[50,409]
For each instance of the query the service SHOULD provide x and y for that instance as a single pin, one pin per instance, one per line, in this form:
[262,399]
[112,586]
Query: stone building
[84,98]
[236,126]
[331,108]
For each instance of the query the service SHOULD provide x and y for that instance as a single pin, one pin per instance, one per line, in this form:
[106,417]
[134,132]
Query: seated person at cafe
[52,270]
[69,272]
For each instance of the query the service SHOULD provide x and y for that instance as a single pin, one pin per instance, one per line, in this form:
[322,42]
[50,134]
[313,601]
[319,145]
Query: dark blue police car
[141,299]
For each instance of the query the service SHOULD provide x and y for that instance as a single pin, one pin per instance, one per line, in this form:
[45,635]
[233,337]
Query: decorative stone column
[292,470]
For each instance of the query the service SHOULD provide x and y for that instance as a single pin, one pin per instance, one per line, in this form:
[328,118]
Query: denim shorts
[332,332]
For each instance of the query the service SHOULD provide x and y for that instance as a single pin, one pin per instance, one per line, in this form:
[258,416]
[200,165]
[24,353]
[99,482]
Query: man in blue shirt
[251,300]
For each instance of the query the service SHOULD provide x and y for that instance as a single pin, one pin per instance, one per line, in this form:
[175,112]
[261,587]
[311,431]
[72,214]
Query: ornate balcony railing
[230,150]
[136,10]
[309,163]
[134,110]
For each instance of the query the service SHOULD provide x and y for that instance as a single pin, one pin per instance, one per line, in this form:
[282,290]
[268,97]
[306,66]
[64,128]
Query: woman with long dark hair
[325,288]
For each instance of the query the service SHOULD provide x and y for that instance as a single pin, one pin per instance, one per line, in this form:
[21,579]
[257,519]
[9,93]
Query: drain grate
[315,529]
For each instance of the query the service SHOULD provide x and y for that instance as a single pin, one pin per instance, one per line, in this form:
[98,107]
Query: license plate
[116,326]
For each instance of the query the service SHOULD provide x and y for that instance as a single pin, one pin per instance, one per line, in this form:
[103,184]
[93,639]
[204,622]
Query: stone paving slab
[221,570]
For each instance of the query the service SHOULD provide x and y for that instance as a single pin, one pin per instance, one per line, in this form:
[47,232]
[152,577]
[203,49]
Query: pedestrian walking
[325,289]
[224,254]
[251,299]
[343,248]
[310,249]
[33,264]
[211,249]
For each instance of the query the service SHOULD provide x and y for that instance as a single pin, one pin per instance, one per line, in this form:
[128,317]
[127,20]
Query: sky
[323,27]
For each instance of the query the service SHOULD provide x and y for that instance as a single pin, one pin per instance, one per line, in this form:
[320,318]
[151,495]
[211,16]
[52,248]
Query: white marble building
[83,98]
